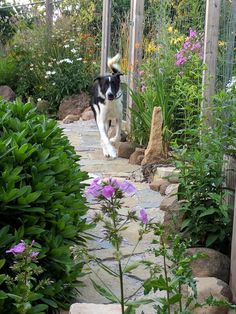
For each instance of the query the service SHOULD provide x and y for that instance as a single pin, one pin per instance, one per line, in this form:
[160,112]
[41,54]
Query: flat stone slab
[91,308]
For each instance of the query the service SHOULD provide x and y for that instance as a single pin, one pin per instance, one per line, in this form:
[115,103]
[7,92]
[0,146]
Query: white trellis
[135,43]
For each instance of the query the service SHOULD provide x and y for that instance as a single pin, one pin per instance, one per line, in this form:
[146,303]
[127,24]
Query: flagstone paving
[84,136]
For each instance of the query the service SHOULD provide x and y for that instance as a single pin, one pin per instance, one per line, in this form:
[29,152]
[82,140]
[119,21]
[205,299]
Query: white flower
[73,50]
[79,59]
[66,60]
[53,72]
[50,65]
[39,99]
[48,72]
[31,69]
[66,46]
[94,62]
[46,76]
[53,83]
[72,40]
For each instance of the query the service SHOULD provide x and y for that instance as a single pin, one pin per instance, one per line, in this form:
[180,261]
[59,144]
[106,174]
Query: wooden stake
[106,33]
[135,48]
[210,58]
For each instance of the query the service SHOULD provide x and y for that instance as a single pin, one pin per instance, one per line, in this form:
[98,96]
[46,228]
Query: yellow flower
[151,47]
[221,43]
[170,29]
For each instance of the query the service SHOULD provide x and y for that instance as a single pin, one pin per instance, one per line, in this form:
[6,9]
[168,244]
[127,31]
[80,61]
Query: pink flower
[192,33]
[196,46]
[141,73]
[34,254]
[17,249]
[95,189]
[108,191]
[180,61]
[143,88]
[127,187]
[187,44]
[143,216]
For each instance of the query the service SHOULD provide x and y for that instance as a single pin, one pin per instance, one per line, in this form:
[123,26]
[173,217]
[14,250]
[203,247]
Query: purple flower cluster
[143,216]
[107,188]
[20,248]
[192,44]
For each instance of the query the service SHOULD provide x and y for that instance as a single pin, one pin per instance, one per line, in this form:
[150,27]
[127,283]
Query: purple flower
[180,61]
[192,33]
[196,46]
[108,191]
[34,254]
[127,187]
[95,189]
[187,44]
[143,88]
[17,249]
[143,216]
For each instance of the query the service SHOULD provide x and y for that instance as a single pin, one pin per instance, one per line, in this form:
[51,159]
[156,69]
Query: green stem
[121,289]
[180,301]
[166,276]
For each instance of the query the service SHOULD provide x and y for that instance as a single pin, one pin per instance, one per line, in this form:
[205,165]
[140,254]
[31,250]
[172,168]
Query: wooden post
[233,257]
[106,33]
[49,15]
[210,57]
[229,60]
[135,48]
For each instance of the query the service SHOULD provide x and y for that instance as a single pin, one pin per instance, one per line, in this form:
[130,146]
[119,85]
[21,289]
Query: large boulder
[7,93]
[218,289]
[73,105]
[215,264]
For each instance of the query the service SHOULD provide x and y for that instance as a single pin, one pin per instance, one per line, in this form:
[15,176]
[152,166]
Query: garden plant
[41,200]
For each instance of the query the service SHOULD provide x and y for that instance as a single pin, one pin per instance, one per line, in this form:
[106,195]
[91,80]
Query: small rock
[172,189]
[211,286]
[215,264]
[125,149]
[87,114]
[133,160]
[71,118]
[169,203]
[7,93]
[156,185]
[166,173]
[91,308]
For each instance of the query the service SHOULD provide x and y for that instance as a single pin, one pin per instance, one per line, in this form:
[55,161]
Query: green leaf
[105,293]
[185,223]
[107,269]
[130,309]
[50,303]
[211,239]
[3,295]
[2,262]
[207,212]
[131,267]
[175,298]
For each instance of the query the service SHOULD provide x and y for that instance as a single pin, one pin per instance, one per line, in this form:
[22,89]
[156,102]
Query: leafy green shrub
[207,219]
[41,199]
[8,72]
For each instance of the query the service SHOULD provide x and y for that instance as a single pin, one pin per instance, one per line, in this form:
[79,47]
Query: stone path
[84,136]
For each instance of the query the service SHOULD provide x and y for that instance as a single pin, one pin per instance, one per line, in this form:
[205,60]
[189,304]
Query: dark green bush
[41,199]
